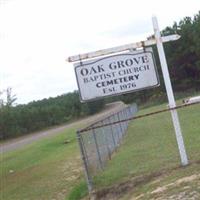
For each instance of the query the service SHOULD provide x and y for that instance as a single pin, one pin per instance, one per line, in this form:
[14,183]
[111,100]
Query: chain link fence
[149,146]
[98,141]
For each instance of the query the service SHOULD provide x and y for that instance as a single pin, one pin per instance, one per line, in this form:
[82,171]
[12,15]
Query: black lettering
[145,59]
[129,62]
[136,69]
[85,80]
[93,70]
[84,72]
[112,65]
[136,76]
[109,82]
[137,60]
[131,78]
[100,68]
[98,85]
[120,63]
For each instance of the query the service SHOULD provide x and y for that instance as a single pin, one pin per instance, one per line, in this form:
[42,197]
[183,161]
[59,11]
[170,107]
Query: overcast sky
[37,36]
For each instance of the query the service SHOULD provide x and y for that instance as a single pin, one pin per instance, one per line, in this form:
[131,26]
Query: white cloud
[36,36]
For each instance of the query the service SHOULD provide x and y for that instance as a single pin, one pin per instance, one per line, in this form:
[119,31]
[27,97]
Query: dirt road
[28,139]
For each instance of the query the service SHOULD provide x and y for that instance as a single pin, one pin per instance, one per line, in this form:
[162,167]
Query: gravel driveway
[28,139]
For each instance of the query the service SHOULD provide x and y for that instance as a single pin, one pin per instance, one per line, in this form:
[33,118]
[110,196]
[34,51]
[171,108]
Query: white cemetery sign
[117,74]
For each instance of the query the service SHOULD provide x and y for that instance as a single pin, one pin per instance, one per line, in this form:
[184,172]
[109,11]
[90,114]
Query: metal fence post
[112,133]
[86,171]
[97,149]
[120,124]
[84,151]
[125,113]
[106,141]
[116,128]
[124,123]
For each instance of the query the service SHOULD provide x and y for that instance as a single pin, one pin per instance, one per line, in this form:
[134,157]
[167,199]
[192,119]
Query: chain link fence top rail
[98,144]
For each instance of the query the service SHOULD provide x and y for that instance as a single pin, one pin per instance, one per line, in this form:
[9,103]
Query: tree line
[37,115]
[183,58]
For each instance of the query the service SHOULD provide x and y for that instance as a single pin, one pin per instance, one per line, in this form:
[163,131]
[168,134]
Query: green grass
[46,169]
[51,169]
[79,191]
[170,183]
[150,146]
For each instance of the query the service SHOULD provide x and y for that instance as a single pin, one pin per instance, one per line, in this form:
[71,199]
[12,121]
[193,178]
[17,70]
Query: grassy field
[149,149]
[46,169]
[51,168]
[180,183]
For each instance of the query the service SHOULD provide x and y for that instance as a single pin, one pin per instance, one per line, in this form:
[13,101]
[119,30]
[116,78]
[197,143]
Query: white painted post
[170,95]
